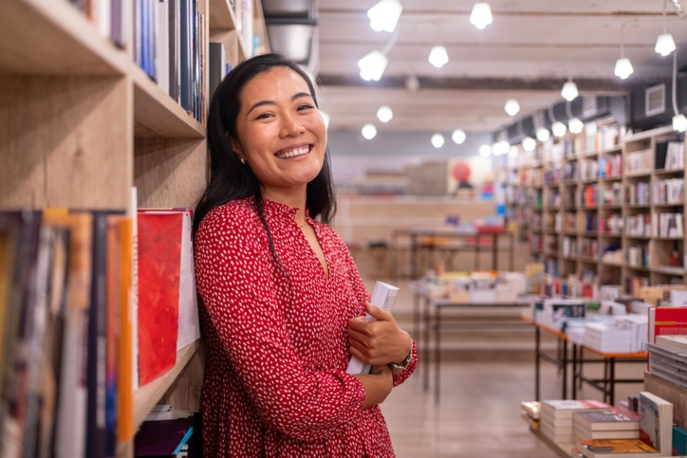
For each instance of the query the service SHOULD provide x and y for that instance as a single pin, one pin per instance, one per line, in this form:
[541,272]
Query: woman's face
[281,134]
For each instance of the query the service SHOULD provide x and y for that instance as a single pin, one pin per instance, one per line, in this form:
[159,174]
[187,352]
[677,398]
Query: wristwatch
[405,362]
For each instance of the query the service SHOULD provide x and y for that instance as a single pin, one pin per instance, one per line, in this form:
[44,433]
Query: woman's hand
[378,342]
[378,384]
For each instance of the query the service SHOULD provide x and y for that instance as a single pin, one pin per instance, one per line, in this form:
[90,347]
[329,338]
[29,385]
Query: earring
[243,161]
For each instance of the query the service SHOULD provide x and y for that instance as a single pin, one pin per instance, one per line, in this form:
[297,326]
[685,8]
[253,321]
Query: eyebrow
[271,102]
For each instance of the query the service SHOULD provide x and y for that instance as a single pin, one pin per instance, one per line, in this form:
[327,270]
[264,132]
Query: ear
[235,146]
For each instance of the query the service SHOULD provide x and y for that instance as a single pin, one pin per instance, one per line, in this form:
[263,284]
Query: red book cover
[159,262]
[667,321]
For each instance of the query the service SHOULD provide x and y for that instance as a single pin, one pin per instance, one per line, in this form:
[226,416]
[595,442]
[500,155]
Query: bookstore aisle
[479,413]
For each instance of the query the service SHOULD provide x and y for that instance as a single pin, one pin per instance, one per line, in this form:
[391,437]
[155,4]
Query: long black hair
[232,180]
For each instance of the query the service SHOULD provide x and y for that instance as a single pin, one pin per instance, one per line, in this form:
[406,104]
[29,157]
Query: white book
[384,297]
[162,44]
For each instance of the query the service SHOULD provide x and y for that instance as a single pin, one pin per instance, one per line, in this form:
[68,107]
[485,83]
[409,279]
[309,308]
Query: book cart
[81,124]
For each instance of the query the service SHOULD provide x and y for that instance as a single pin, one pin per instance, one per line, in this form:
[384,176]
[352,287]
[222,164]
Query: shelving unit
[81,124]
[607,195]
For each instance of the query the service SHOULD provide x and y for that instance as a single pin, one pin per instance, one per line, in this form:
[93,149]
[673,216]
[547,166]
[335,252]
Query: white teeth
[295,152]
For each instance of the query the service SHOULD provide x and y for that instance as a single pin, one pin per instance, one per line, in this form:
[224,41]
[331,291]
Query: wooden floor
[479,413]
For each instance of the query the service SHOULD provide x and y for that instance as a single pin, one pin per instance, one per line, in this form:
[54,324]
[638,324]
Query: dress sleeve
[234,274]
[362,294]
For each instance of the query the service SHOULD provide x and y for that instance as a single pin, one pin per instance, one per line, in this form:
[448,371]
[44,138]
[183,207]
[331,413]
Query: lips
[293,152]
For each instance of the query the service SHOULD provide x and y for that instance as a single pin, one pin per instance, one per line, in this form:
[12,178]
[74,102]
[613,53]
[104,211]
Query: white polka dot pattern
[276,382]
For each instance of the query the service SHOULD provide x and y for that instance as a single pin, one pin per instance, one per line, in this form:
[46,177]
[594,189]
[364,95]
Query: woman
[282,299]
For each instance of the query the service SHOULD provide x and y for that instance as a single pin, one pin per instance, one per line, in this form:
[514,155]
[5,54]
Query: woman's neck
[294,198]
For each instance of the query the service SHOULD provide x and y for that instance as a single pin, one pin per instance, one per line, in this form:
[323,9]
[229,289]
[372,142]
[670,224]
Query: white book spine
[384,297]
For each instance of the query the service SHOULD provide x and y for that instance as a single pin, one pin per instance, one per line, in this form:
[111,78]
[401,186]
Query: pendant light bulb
[369,131]
[481,15]
[384,15]
[529,144]
[575,126]
[438,56]
[623,68]
[679,123]
[485,150]
[512,107]
[372,66]
[458,136]
[500,148]
[543,134]
[438,141]
[559,129]
[569,91]
[385,114]
[665,44]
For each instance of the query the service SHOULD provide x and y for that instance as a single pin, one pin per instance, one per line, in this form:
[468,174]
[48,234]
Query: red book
[159,261]
[666,321]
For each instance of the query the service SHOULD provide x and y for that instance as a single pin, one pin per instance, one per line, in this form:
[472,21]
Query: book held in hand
[384,297]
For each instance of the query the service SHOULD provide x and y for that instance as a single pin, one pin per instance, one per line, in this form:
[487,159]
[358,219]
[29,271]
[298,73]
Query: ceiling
[527,53]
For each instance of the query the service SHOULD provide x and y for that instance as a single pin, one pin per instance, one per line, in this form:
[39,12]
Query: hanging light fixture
[438,141]
[369,131]
[438,56]
[559,129]
[384,15]
[481,15]
[385,114]
[623,66]
[575,126]
[372,66]
[569,91]
[500,148]
[543,134]
[412,83]
[529,144]
[485,150]
[665,43]
[458,136]
[679,120]
[512,107]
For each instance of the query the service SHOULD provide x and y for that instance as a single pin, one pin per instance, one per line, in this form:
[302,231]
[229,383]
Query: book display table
[434,321]
[451,242]
[576,360]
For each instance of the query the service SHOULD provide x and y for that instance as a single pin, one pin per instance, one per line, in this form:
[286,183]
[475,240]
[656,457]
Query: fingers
[378,313]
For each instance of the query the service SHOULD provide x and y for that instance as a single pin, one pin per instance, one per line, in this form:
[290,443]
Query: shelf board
[661,172]
[148,395]
[157,115]
[609,235]
[642,237]
[648,134]
[612,149]
[638,206]
[611,179]
[643,269]
[67,44]
[666,205]
[611,264]
[638,174]
[668,271]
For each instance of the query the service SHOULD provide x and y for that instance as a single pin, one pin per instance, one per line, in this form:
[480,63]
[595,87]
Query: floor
[479,413]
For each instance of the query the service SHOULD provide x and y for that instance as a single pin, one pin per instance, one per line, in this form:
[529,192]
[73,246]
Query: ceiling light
[458,136]
[575,126]
[665,44]
[372,66]
[369,131]
[559,129]
[679,123]
[569,91]
[438,140]
[325,117]
[529,144]
[512,107]
[384,15]
[412,83]
[385,114]
[543,134]
[623,68]
[481,15]
[485,150]
[500,148]
[438,56]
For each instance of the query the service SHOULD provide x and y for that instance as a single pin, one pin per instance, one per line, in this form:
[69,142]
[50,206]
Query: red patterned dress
[277,350]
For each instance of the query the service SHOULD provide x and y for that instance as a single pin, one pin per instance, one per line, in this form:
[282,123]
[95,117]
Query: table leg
[437,354]
[611,388]
[425,347]
[494,253]
[511,246]
[477,251]
[537,361]
[565,369]
[574,371]
[413,256]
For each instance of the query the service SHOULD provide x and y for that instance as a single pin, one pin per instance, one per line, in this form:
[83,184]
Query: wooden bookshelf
[82,124]
[660,247]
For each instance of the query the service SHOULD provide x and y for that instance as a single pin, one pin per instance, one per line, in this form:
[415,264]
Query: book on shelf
[556,417]
[656,422]
[617,448]
[666,320]
[611,420]
[162,438]
[384,297]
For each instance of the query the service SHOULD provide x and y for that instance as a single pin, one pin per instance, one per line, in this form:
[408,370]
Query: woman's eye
[305,107]
[264,116]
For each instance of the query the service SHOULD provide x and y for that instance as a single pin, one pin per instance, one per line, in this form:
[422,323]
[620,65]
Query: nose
[290,126]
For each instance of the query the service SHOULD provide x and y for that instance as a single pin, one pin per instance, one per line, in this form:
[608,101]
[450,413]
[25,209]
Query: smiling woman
[282,300]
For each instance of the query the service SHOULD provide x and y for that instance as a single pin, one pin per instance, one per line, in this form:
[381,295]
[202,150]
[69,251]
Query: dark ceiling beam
[496,12]
[496,45]
[596,85]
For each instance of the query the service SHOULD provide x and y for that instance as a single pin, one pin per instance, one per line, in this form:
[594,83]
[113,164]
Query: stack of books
[556,417]
[613,424]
